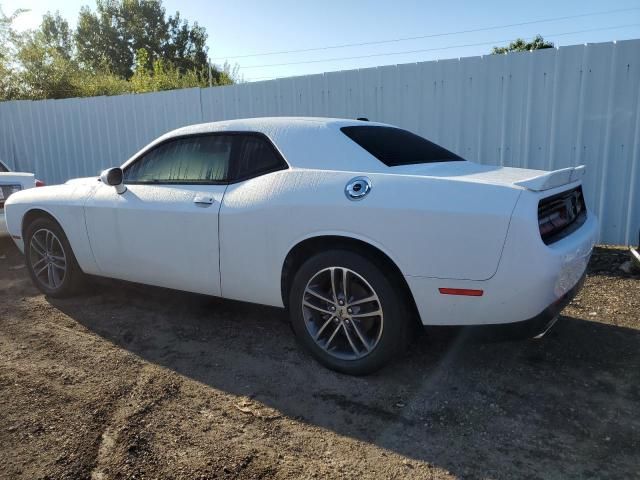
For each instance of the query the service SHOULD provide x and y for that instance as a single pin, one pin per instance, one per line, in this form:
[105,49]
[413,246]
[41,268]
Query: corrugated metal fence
[547,109]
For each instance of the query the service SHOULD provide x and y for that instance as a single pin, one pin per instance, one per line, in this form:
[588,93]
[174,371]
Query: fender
[65,204]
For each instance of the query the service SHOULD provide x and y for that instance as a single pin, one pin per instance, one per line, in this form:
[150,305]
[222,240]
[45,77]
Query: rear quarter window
[394,146]
[257,156]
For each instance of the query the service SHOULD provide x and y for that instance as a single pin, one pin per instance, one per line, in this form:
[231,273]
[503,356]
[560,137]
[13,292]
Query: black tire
[390,339]
[69,281]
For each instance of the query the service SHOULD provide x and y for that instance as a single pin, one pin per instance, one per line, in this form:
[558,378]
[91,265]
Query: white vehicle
[11,182]
[356,227]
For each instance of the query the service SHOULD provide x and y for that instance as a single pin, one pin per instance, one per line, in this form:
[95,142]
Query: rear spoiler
[553,179]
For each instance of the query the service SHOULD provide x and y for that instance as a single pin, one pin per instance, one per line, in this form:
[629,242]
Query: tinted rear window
[394,146]
[3,168]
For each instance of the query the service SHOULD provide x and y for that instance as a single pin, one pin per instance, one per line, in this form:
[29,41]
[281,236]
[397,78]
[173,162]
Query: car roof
[266,124]
[304,142]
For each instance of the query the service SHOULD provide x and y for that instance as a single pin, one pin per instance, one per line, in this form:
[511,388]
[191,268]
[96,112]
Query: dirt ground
[136,382]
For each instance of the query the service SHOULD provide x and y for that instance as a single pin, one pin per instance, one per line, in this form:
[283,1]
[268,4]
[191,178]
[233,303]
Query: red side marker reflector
[461,291]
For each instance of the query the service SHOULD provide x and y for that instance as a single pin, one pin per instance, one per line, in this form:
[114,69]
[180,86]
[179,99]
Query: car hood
[82,181]
[470,172]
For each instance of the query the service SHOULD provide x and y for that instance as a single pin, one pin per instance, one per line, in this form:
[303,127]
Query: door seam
[220,241]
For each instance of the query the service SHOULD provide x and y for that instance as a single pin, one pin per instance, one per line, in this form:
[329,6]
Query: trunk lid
[536,180]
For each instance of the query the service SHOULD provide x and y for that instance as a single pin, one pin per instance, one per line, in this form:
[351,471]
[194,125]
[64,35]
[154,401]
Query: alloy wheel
[342,313]
[48,260]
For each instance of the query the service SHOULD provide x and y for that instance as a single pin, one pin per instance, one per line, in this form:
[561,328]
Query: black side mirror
[115,178]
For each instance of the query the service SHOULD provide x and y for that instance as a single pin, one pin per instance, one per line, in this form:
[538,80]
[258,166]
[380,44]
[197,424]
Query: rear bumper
[534,281]
[539,325]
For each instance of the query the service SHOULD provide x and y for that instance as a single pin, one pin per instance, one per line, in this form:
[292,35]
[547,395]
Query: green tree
[46,68]
[185,46]
[164,75]
[521,45]
[9,85]
[8,34]
[110,37]
[55,33]
[91,84]
[127,46]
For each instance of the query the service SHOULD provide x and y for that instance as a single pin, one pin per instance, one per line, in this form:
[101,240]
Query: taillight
[560,214]
[555,220]
[39,183]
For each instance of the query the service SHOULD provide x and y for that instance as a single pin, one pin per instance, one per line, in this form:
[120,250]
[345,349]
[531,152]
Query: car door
[249,265]
[163,230]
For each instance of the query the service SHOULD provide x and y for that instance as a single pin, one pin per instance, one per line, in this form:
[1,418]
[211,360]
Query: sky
[240,30]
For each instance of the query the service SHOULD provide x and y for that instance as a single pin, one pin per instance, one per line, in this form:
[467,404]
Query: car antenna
[363,119]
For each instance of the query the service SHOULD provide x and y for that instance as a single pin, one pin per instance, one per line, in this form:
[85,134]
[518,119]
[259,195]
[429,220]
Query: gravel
[128,381]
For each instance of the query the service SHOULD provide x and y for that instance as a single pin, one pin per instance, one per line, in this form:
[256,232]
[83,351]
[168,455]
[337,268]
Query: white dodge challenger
[357,228]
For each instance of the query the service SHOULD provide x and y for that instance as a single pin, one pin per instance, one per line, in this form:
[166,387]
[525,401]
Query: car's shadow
[570,403]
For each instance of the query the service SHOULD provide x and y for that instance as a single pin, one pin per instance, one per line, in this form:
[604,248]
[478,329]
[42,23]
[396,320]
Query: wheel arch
[312,245]
[35,213]
[70,282]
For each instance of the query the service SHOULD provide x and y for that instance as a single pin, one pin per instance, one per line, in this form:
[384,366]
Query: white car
[11,182]
[357,228]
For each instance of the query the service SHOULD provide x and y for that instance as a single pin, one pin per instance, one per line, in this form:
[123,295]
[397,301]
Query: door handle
[203,200]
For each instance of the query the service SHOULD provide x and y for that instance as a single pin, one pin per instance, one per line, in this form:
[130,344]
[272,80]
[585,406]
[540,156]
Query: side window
[198,159]
[256,156]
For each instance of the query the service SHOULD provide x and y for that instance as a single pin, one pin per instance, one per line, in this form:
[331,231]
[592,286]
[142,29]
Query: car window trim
[236,146]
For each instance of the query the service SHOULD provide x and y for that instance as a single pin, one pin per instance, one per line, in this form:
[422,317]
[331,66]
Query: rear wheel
[347,313]
[50,260]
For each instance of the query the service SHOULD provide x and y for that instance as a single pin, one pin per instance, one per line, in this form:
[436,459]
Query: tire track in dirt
[122,433]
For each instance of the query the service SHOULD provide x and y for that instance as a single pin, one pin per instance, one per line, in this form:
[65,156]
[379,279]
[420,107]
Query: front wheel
[50,260]
[347,313]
